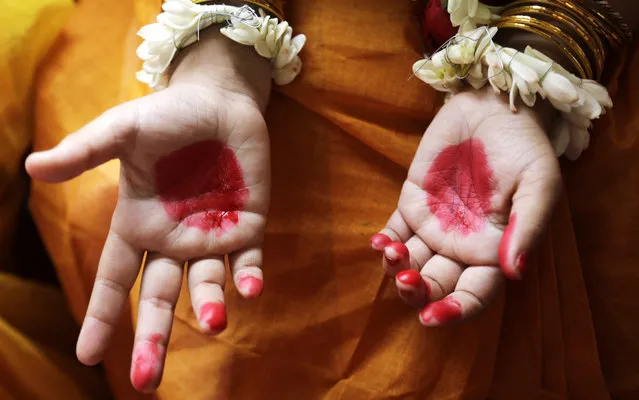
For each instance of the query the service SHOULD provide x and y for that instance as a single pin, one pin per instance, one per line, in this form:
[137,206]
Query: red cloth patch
[436,25]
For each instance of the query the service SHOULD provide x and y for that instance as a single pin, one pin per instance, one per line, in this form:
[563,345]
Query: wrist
[480,105]
[217,63]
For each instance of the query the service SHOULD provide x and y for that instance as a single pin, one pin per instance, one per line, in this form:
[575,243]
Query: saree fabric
[330,325]
[29,28]
[37,332]
[37,338]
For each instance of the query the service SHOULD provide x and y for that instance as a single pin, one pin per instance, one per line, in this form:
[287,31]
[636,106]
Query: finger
[532,208]
[396,258]
[477,286]
[206,284]
[105,138]
[412,288]
[419,252]
[118,268]
[246,267]
[441,275]
[160,288]
[396,230]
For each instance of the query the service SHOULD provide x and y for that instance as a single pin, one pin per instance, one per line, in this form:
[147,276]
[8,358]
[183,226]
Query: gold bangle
[605,19]
[608,29]
[601,25]
[516,23]
[558,37]
[585,32]
[607,13]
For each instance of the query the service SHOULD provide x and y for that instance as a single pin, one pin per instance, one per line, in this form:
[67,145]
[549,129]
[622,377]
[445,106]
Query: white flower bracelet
[179,26]
[473,57]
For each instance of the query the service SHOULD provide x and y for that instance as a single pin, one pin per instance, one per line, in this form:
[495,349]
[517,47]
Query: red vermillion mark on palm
[203,186]
[459,187]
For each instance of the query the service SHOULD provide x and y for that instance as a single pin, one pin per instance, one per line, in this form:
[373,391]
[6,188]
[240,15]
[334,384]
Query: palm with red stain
[214,192]
[478,167]
[460,185]
[194,187]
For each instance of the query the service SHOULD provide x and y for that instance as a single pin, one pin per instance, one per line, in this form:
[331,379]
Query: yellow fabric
[37,338]
[101,48]
[29,27]
[329,325]
[37,333]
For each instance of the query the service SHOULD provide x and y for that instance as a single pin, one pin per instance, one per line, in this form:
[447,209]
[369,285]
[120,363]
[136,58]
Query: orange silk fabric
[329,325]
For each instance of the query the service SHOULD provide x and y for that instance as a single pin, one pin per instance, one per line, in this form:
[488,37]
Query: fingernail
[395,253]
[411,281]
[409,277]
[250,287]
[145,362]
[379,241]
[213,317]
[407,282]
[441,312]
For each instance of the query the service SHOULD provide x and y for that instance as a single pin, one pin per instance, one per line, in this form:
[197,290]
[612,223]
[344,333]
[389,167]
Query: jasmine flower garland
[179,26]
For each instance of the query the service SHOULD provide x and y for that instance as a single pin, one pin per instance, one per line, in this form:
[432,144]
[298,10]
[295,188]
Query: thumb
[103,139]
[532,206]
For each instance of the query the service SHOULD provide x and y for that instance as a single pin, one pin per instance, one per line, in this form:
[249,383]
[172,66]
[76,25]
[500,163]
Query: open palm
[194,187]
[478,195]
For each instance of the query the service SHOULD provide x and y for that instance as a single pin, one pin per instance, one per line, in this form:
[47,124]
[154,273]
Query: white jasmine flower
[596,90]
[560,136]
[579,141]
[469,10]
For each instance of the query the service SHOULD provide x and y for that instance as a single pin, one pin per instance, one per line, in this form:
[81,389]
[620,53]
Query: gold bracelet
[608,30]
[583,31]
[604,13]
[587,18]
[580,62]
[607,13]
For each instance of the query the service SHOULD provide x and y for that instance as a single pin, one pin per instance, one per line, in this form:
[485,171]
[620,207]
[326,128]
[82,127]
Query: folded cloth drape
[29,28]
[329,325]
[37,338]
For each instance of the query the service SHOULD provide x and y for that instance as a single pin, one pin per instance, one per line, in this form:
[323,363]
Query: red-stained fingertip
[379,241]
[396,253]
[510,269]
[213,317]
[146,363]
[250,287]
[441,312]
[412,287]
[410,277]
[411,280]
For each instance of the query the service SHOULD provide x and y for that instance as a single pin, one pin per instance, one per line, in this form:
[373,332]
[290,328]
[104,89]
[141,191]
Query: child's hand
[194,187]
[478,196]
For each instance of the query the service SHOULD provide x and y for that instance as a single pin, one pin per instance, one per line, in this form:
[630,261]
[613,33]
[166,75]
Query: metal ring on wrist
[612,34]
[571,48]
[581,31]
